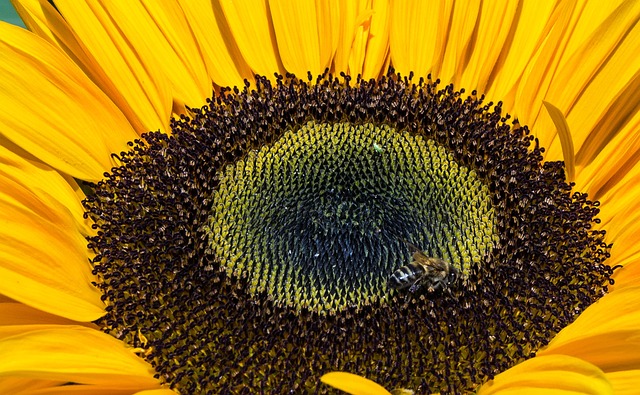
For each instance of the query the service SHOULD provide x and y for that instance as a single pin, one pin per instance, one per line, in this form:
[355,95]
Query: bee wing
[412,248]
[430,263]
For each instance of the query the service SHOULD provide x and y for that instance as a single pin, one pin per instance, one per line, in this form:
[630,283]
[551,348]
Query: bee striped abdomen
[406,276]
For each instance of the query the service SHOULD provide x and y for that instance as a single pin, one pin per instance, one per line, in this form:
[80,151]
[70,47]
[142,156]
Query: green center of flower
[319,219]
[252,250]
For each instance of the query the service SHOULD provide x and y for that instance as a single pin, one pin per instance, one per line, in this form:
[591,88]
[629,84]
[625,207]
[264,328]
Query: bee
[433,273]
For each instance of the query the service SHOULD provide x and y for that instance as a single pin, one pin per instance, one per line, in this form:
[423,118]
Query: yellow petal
[530,32]
[607,334]
[50,109]
[616,163]
[596,84]
[616,186]
[348,13]
[135,83]
[565,138]
[362,46]
[72,354]
[45,21]
[225,64]
[160,33]
[304,32]
[21,314]
[540,70]
[554,375]
[21,385]
[370,50]
[48,387]
[253,32]
[625,382]
[33,180]
[496,25]
[353,384]
[43,256]
[459,34]
[417,34]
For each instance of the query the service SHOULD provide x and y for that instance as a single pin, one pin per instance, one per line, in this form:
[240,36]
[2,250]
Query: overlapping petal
[102,70]
[554,375]
[222,57]
[72,354]
[43,252]
[90,35]
[59,115]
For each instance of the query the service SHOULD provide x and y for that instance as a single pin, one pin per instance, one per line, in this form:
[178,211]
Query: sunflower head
[253,247]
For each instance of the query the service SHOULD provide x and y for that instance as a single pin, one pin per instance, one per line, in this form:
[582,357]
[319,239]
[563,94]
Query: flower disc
[250,251]
[320,218]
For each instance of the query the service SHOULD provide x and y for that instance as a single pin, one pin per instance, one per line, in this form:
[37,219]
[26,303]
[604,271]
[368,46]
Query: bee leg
[437,286]
[406,301]
[415,286]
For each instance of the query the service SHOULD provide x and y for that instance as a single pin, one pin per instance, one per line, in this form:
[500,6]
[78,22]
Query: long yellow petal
[554,375]
[596,85]
[370,49]
[541,69]
[225,64]
[304,37]
[615,162]
[495,26]
[530,32]
[607,334]
[135,83]
[45,21]
[353,384]
[43,256]
[52,110]
[253,32]
[348,13]
[22,173]
[162,37]
[417,33]
[459,37]
[72,354]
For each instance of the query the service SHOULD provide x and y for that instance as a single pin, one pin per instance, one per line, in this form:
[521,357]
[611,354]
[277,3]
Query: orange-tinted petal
[21,314]
[156,392]
[23,386]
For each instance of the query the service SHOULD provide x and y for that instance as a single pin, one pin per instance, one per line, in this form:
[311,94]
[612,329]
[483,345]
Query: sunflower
[240,197]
